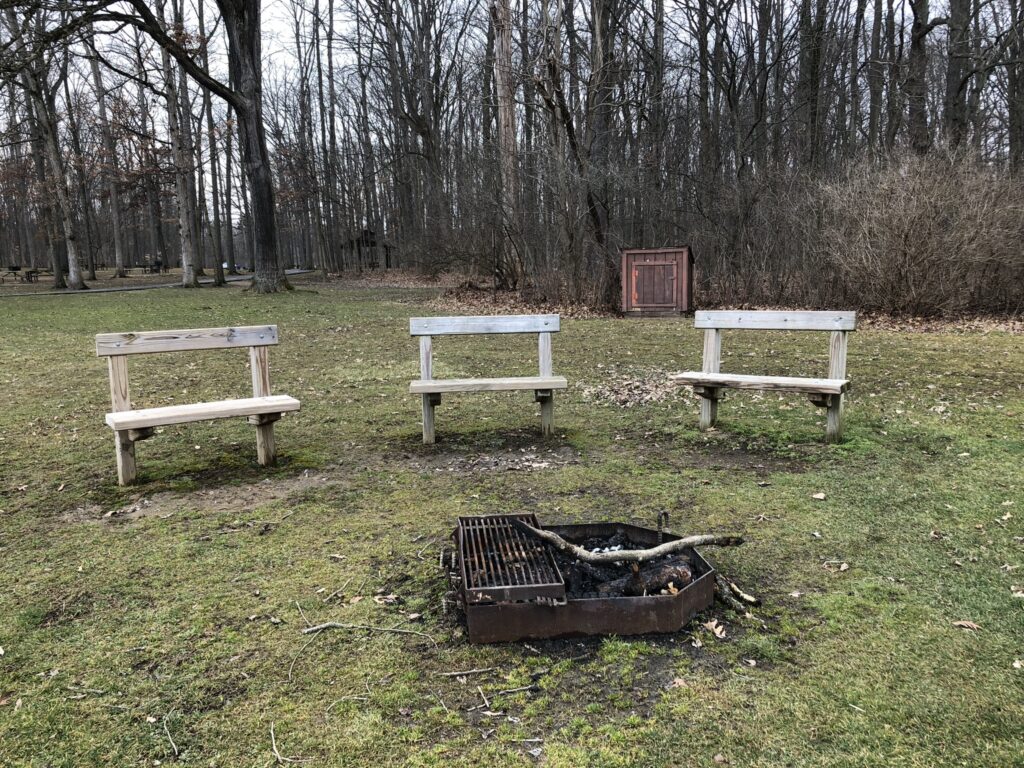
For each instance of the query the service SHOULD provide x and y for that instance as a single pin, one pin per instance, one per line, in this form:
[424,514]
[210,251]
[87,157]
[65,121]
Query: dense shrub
[925,235]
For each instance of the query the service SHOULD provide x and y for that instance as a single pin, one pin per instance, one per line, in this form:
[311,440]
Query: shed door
[654,284]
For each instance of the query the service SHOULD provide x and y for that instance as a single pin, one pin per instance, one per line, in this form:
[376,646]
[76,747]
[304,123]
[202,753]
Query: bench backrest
[426,327]
[146,342]
[776,321]
[115,347]
[839,323]
[451,326]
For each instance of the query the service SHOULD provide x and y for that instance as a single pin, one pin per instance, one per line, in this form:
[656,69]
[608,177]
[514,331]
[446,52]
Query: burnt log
[650,580]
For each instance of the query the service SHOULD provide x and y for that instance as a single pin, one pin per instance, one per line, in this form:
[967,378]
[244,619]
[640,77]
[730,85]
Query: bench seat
[184,414]
[435,386]
[769,383]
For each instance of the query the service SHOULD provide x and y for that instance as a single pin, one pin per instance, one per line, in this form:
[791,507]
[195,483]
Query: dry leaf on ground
[966,625]
[715,628]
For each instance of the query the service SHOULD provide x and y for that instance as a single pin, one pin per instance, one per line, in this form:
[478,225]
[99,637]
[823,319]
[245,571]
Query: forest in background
[861,154]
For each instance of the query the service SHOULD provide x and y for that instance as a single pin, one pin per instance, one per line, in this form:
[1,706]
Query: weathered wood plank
[125,449]
[776,321]
[259,364]
[120,396]
[834,420]
[547,414]
[710,363]
[766,383]
[184,414]
[544,353]
[428,419]
[120,400]
[837,355]
[426,357]
[146,342]
[448,326]
[424,386]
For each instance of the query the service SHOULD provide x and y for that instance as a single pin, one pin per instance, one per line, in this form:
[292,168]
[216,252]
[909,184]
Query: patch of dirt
[70,607]
[228,498]
[724,452]
[633,387]
[523,459]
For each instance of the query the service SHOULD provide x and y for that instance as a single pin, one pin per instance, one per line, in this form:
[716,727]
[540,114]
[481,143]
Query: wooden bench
[131,426]
[827,392]
[431,389]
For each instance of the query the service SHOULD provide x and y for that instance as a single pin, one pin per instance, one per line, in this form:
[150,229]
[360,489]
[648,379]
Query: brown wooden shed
[657,281]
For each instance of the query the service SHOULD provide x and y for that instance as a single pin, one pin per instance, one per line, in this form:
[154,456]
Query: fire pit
[513,586]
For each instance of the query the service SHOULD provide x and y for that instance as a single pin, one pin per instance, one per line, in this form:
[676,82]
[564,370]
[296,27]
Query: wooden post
[544,353]
[836,370]
[120,400]
[546,398]
[712,362]
[259,363]
[429,401]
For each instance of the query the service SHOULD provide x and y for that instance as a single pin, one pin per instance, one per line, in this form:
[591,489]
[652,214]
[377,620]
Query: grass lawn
[170,630]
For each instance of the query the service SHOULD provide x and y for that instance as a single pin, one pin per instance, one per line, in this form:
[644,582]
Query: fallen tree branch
[466,673]
[724,593]
[743,596]
[626,555]
[336,625]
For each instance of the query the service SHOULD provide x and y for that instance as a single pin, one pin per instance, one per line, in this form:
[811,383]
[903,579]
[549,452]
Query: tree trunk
[507,270]
[916,86]
[211,134]
[957,63]
[242,22]
[110,171]
[181,170]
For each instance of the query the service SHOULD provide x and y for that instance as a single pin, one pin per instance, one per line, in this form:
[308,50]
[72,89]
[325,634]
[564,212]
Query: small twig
[466,673]
[281,759]
[530,687]
[303,615]
[173,745]
[486,702]
[743,596]
[337,592]
[345,698]
[419,554]
[337,625]
[438,697]
[297,655]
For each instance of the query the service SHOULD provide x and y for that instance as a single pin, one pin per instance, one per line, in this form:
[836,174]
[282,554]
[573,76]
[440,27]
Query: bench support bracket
[135,435]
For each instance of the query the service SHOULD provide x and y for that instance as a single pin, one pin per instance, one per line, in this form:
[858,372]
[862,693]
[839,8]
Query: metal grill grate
[499,563]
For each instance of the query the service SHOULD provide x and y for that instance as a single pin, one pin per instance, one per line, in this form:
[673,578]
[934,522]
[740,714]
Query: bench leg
[546,398]
[429,403]
[125,448]
[266,450]
[834,419]
[708,408]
